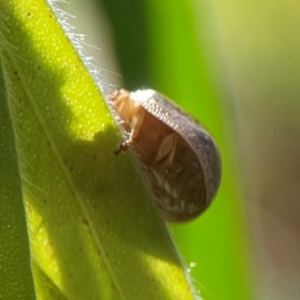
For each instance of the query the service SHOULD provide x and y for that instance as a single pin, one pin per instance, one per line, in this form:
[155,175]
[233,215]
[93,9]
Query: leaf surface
[94,233]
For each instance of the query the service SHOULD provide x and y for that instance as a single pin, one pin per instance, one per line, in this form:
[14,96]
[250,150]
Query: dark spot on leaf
[85,222]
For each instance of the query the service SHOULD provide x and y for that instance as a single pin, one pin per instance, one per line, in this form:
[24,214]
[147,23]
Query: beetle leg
[166,154]
[134,134]
[171,165]
[166,147]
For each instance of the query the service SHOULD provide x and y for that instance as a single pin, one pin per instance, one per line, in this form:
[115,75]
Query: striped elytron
[179,157]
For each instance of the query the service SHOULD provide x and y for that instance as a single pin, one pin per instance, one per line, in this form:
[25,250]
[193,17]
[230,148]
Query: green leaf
[94,232]
[16,280]
[186,70]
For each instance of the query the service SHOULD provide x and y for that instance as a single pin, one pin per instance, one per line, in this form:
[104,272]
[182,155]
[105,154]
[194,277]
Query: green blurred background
[234,65]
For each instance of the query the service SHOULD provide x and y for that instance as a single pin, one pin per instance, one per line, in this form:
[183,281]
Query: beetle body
[178,156]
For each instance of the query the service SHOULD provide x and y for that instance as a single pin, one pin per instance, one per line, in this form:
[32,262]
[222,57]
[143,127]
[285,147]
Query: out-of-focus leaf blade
[183,68]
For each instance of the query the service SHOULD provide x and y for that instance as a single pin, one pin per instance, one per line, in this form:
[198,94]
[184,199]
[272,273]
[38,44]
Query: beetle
[176,153]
